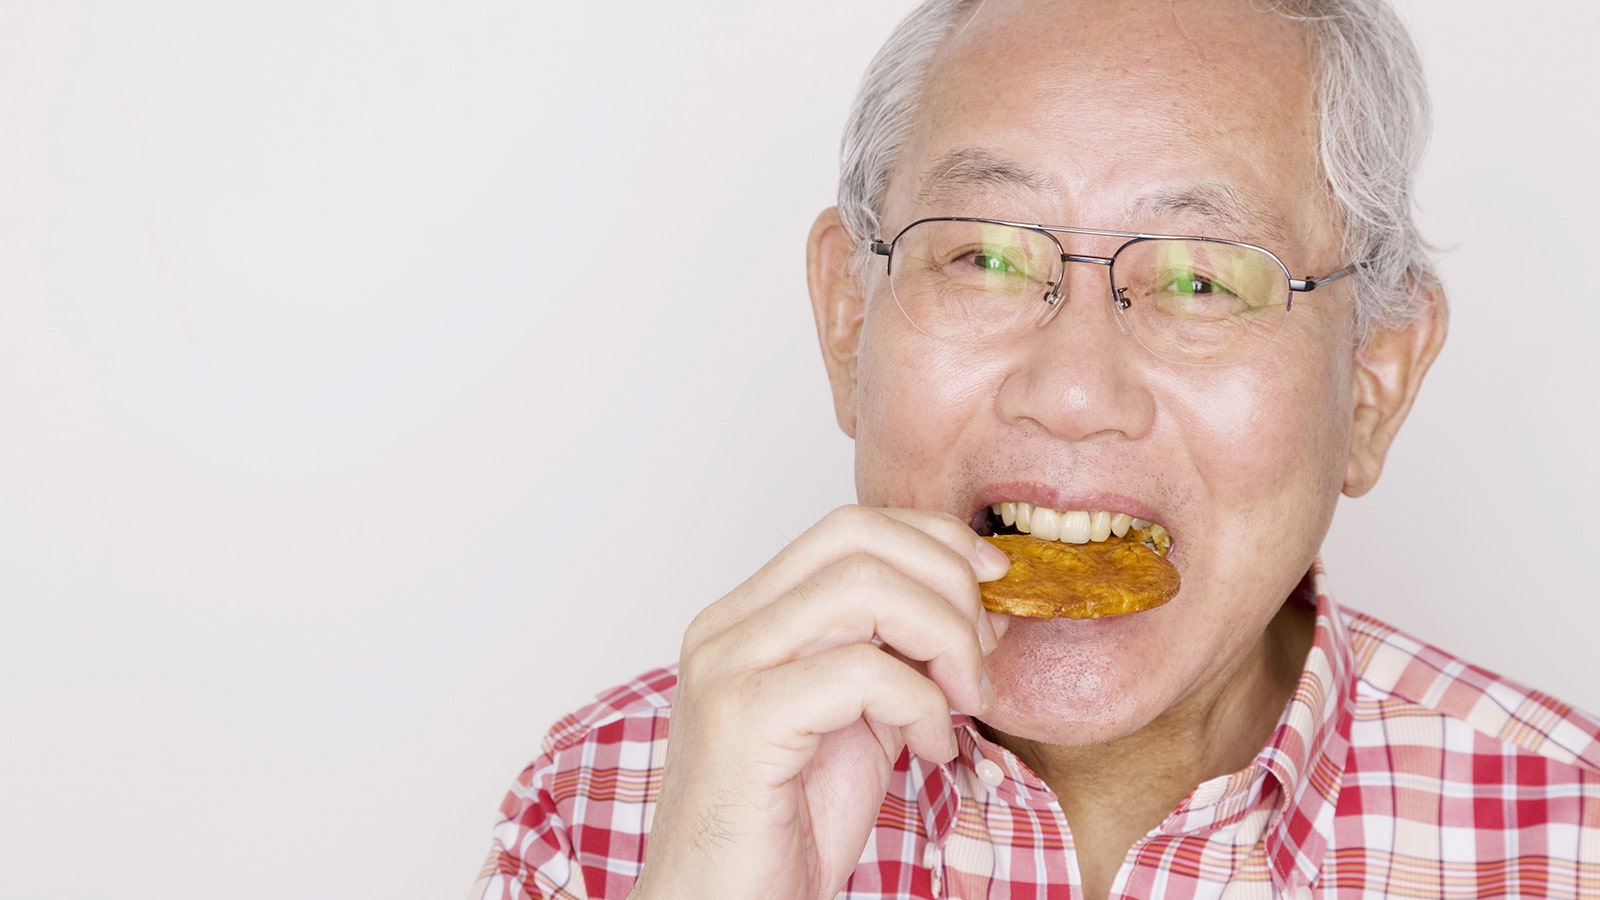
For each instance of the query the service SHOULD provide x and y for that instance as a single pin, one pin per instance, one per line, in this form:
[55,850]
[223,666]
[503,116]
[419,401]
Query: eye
[995,261]
[1185,293]
[1193,285]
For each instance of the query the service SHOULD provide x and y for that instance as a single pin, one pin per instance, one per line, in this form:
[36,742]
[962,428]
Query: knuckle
[856,666]
[706,623]
[952,576]
[859,569]
[699,663]
[865,662]
[691,663]
[851,518]
[849,512]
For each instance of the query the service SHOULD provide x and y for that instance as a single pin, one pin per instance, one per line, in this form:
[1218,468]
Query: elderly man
[1092,262]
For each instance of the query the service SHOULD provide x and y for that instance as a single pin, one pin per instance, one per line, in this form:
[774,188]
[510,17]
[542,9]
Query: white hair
[1373,117]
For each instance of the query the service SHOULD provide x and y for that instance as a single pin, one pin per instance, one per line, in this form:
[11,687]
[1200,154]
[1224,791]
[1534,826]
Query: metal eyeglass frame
[1053,298]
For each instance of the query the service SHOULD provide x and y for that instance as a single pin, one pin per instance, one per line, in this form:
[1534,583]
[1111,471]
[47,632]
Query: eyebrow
[955,173]
[1219,204]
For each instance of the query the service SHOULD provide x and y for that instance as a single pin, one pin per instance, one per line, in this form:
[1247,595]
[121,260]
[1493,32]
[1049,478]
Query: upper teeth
[1078,526]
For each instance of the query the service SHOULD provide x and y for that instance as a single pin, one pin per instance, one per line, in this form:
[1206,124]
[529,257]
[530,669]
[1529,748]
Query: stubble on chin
[1054,687]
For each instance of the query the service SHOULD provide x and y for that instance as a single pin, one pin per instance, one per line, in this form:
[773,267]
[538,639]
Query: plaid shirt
[1396,770]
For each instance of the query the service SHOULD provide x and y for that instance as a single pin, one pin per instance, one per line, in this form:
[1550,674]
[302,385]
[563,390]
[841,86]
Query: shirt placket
[1006,835]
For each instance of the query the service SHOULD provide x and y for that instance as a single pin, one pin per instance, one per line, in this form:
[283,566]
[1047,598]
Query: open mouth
[1074,526]
[1076,564]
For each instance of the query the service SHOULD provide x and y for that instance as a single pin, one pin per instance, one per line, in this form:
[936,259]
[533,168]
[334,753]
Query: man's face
[1147,116]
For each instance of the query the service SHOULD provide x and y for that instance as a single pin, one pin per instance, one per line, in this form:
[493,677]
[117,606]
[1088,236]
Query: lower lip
[1066,622]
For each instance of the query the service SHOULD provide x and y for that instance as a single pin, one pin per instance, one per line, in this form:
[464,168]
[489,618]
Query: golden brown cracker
[1078,581]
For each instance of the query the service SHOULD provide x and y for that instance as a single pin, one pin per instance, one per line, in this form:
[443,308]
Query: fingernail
[1000,623]
[986,690]
[993,558]
[987,639]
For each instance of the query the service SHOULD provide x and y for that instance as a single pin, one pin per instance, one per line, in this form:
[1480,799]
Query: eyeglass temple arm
[1303,285]
[1311,284]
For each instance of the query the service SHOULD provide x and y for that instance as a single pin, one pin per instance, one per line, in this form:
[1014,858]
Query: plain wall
[379,380]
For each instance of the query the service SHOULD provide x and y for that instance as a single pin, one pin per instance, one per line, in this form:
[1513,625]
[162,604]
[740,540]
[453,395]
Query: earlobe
[838,305]
[1389,372]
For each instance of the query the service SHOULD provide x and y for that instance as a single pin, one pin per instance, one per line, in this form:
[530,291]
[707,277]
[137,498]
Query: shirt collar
[1308,750]
[1298,771]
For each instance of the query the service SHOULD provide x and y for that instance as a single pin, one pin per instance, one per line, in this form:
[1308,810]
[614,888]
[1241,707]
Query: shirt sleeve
[573,825]
[532,856]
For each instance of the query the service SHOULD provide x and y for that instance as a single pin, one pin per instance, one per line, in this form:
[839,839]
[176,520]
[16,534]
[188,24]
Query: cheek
[916,399]
[1270,429]
[1270,446]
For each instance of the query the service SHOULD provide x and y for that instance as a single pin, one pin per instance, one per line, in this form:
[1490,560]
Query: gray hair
[1374,119]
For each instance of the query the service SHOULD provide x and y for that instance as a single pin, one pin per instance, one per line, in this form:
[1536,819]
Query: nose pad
[1119,309]
[1053,301]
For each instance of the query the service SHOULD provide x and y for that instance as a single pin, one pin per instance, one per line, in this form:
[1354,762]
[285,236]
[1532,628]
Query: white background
[373,373]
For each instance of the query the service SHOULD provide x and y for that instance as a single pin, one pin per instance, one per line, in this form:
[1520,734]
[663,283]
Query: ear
[838,303]
[1389,370]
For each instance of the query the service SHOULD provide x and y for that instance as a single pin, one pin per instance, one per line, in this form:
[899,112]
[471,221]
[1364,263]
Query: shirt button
[989,772]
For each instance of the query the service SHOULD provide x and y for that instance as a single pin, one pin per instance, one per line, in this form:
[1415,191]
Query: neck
[1115,793]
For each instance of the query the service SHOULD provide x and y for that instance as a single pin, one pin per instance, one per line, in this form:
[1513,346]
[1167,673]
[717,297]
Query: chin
[1074,683]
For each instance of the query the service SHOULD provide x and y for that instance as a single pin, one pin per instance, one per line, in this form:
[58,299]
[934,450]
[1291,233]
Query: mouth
[1074,526]
[1076,564]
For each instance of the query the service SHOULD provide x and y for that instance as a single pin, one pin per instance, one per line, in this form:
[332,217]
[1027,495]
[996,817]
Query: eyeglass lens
[1187,300]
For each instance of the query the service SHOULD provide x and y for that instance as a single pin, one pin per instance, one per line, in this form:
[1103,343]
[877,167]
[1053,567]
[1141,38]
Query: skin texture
[788,720]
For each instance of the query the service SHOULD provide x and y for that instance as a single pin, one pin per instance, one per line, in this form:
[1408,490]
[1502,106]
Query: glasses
[1192,300]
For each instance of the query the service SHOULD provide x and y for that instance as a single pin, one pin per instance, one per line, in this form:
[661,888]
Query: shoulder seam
[650,693]
[1393,665]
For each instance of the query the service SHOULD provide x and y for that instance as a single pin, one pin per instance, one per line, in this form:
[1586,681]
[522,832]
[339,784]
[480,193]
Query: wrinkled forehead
[1208,31]
[1116,114]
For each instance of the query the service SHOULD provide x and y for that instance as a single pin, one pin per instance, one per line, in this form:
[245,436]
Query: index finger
[936,549]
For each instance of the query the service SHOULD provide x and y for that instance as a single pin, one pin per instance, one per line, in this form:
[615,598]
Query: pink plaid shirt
[1396,770]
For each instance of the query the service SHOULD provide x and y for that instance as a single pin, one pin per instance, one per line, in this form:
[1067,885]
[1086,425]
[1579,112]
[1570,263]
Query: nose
[1078,375]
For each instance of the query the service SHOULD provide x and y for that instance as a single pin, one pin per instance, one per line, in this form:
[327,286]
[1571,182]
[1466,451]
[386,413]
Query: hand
[789,717]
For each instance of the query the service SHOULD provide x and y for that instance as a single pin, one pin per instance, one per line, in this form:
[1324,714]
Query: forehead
[1117,114]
